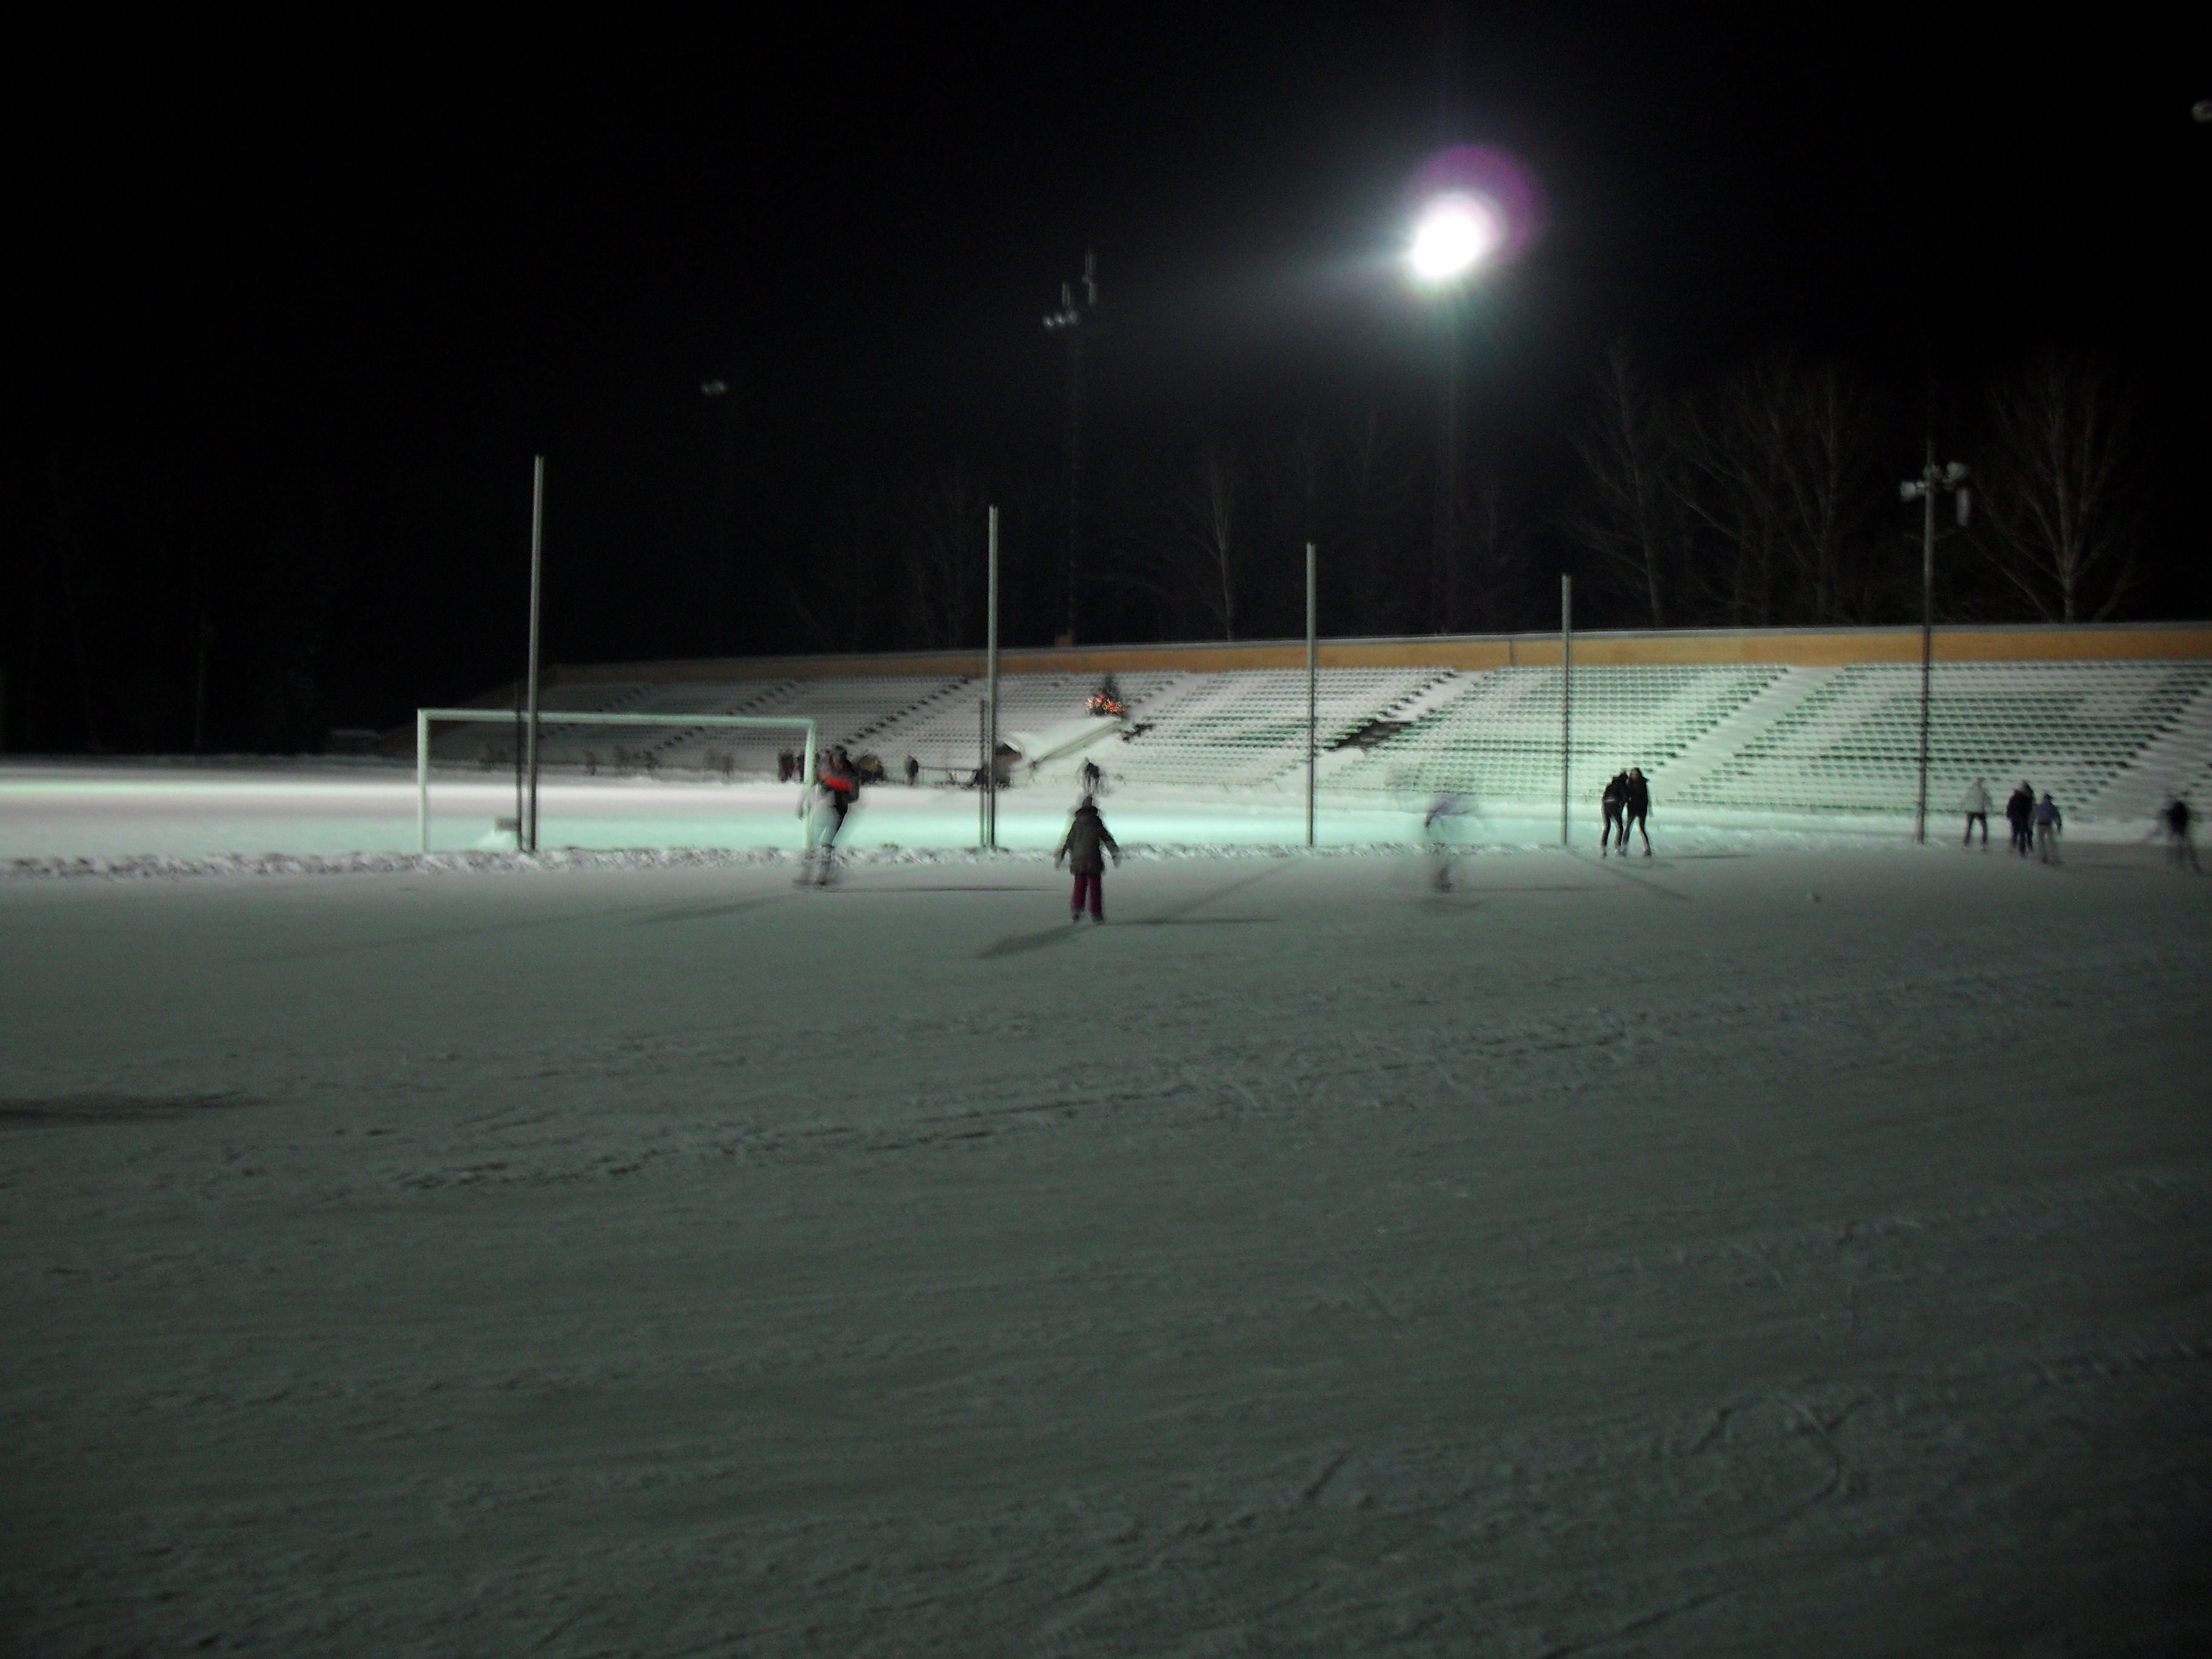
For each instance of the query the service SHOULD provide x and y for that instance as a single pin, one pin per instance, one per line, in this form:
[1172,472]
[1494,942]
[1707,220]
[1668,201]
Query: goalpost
[424,717]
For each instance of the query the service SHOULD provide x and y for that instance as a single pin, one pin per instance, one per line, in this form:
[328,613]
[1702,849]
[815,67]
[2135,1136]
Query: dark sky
[391,263]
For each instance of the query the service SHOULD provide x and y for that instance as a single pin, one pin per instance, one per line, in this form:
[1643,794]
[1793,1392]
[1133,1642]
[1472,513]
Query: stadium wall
[1829,648]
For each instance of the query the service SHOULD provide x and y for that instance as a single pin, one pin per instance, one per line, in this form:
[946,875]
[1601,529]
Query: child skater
[1082,848]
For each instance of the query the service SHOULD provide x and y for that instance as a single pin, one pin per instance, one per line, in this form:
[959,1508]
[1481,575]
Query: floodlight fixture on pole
[1454,233]
[1933,481]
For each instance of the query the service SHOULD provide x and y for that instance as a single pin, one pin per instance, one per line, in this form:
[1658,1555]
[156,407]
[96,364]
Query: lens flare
[1471,207]
[1455,232]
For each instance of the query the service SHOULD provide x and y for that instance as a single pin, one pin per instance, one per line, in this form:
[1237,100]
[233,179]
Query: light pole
[1069,323]
[721,575]
[1933,481]
[1455,233]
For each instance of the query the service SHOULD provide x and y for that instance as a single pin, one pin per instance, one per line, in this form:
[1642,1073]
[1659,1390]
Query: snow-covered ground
[1781,1246]
[120,811]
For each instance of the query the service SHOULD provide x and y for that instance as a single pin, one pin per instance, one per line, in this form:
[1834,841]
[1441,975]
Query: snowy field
[102,812]
[1790,1244]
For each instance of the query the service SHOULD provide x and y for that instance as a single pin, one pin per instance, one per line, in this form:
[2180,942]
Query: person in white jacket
[1978,812]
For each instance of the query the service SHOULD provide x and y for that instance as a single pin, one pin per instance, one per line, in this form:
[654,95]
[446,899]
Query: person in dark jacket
[2177,816]
[2020,812]
[2050,824]
[1635,808]
[1083,849]
[1615,797]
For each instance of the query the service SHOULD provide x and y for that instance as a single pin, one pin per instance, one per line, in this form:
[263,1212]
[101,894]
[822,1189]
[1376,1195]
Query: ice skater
[1636,806]
[2177,816]
[1083,849]
[1613,800]
[2020,813]
[825,806]
[1976,806]
[2049,825]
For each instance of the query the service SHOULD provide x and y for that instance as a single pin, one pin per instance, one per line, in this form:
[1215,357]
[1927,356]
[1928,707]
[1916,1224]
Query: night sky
[326,293]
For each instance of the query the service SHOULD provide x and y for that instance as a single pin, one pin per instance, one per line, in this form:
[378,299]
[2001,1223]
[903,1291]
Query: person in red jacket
[836,787]
[1083,849]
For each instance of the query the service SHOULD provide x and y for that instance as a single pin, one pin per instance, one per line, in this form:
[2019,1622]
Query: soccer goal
[693,732]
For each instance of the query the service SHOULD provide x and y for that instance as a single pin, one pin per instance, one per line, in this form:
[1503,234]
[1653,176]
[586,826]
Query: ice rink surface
[1763,1251]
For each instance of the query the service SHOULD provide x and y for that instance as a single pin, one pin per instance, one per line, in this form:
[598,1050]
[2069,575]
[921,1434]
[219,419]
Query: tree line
[1766,496]
[251,604]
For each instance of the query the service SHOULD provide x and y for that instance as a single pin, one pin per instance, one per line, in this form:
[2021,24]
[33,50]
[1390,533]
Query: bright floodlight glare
[1455,233]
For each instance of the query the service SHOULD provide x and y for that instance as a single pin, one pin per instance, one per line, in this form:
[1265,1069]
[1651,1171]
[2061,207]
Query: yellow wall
[1813,648]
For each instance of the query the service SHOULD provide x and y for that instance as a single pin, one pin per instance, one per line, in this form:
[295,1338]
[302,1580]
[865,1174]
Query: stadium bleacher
[1851,744]
[2109,738]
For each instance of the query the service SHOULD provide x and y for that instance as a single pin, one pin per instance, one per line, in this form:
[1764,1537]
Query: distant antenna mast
[1069,321]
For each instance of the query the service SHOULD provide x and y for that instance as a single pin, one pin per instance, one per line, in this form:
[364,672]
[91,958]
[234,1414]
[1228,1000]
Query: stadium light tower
[1072,322]
[1455,233]
[1933,481]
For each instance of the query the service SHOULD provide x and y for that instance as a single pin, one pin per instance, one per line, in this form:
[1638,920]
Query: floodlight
[1455,232]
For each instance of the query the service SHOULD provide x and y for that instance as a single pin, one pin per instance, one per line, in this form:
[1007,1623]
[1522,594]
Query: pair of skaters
[2036,824]
[1627,801]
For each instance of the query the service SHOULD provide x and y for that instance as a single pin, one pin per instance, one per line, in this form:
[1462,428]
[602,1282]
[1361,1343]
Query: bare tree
[1204,520]
[1784,492]
[836,596]
[1493,545]
[1819,467]
[1381,478]
[1632,511]
[2061,485]
[944,540]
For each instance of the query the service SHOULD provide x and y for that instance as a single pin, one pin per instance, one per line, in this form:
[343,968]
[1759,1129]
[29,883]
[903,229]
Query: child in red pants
[1084,850]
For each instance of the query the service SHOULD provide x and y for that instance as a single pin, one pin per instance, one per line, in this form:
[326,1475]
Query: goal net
[482,752]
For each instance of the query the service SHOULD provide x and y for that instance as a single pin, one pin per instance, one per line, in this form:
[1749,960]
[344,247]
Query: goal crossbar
[424,718]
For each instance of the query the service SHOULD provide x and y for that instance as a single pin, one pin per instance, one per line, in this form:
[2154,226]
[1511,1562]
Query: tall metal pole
[1927,635]
[1074,472]
[1567,699]
[983,771]
[1443,574]
[422,781]
[1313,698]
[991,692]
[536,566]
[1069,320]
